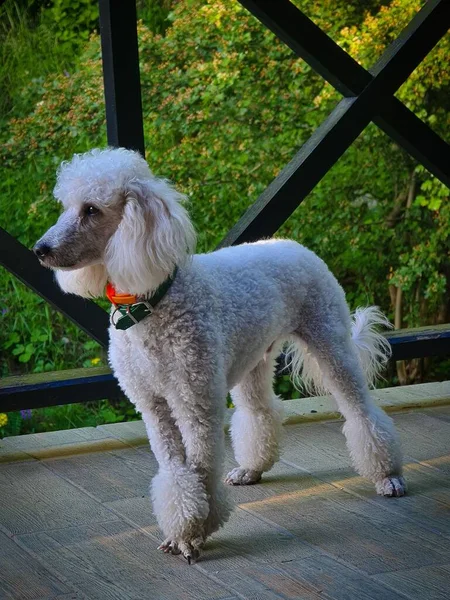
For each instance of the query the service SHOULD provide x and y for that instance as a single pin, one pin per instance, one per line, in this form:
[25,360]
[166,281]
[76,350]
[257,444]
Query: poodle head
[120,223]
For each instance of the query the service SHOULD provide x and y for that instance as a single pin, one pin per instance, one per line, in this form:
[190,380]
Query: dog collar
[131,309]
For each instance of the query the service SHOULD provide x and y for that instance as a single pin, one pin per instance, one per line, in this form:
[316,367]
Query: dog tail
[371,346]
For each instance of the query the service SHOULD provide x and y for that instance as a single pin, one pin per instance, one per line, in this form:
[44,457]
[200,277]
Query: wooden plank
[108,476]
[76,449]
[281,480]
[53,439]
[426,583]
[114,561]
[420,341]
[244,541]
[11,454]
[131,432]
[352,530]
[428,495]
[438,412]
[35,499]
[267,582]
[33,380]
[334,580]
[24,577]
[433,393]
[296,535]
[58,387]
[426,439]
[320,448]
[316,448]
[136,510]
[427,502]
[320,408]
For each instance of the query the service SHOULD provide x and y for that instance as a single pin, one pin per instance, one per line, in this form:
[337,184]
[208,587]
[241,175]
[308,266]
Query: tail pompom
[371,346]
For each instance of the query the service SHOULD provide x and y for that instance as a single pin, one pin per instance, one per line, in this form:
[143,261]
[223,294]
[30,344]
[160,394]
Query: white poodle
[188,328]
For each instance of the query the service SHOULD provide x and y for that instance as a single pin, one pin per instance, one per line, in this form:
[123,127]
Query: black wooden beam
[342,127]
[85,385]
[22,263]
[312,44]
[121,76]
[60,387]
[420,342]
[414,136]
[330,61]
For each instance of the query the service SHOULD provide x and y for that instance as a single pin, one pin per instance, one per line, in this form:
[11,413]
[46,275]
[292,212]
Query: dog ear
[88,282]
[154,235]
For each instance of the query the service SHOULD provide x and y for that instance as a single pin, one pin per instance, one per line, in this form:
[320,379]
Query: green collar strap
[127,315]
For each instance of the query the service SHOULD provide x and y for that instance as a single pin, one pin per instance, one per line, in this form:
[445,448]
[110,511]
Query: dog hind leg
[370,433]
[256,424]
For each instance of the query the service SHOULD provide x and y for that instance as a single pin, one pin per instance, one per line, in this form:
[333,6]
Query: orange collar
[119,299]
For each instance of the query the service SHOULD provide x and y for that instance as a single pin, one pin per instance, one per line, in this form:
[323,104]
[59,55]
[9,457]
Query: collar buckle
[126,315]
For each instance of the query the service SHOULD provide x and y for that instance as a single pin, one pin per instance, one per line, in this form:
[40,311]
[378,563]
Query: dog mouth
[52,262]
[59,264]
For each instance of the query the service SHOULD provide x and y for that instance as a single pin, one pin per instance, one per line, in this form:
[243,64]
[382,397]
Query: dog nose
[42,250]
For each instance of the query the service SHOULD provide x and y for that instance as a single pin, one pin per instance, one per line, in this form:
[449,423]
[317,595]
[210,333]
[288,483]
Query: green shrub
[28,53]
[73,21]
[226,105]
[69,416]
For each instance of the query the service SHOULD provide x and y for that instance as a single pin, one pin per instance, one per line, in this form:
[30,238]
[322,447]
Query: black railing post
[121,76]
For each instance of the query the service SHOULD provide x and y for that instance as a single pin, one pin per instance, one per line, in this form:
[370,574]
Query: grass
[28,51]
[69,416]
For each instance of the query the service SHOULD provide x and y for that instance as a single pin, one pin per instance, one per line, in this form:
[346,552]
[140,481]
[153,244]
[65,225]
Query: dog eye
[90,211]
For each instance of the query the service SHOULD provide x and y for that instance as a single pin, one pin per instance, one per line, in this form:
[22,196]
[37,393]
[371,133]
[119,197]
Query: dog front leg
[180,501]
[199,415]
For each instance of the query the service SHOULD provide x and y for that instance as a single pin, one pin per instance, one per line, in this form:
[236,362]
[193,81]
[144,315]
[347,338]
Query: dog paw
[391,486]
[191,552]
[240,476]
[169,547]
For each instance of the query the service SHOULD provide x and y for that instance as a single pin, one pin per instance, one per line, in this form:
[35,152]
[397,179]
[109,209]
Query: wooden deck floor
[76,522]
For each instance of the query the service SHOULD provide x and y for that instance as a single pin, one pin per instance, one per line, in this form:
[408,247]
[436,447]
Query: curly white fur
[218,328]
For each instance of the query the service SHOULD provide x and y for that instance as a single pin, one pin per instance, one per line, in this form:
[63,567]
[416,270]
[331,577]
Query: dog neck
[130,309]
[139,284]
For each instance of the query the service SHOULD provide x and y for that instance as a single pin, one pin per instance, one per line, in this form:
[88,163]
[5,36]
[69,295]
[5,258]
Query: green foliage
[155,14]
[73,21]
[36,338]
[67,117]
[69,416]
[226,105]
[23,38]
